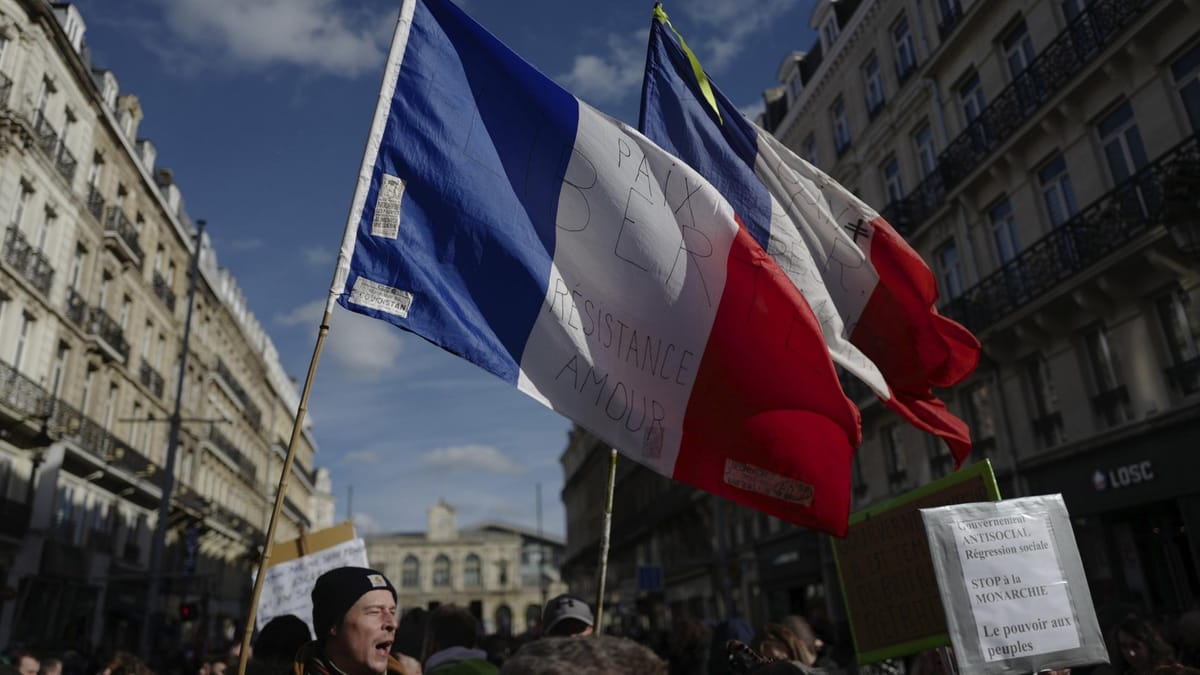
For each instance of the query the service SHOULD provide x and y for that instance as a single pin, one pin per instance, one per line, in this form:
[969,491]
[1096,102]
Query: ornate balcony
[250,411]
[1101,228]
[91,437]
[95,204]
[163,290]
[5,90]
[150,379]
[99,326]
[65,162]
[21,395]
[1185,376]
[226,446]
[1071,51]
[121,236]
[28,261]
[54,147]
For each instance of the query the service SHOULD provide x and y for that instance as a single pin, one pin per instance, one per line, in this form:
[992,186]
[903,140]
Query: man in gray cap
[354,618]
[567,615]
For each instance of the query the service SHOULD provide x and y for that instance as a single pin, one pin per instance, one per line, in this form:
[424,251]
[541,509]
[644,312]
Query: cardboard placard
[295,566]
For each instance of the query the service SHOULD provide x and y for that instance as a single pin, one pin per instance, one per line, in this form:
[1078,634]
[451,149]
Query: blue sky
[261,108]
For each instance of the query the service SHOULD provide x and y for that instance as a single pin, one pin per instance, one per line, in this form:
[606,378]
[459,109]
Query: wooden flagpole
[605,539]
[281,491]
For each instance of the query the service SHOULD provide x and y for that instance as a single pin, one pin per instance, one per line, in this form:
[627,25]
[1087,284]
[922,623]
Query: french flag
[872,293]
[504,220]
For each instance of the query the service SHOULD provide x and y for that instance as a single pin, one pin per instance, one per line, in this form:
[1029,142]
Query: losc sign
[1123,476]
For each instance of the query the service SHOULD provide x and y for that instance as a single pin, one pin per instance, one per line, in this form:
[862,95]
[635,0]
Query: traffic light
[188,611]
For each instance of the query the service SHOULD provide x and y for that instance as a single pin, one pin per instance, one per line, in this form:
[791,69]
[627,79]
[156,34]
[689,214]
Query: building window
[940,459]
[88,380]
[893,454]
[970,97]
[51,216]
[950,269]
[134,420]
[1004,232]
[125,311]
[810,150]
[1122,143]
[926,153]
[61,356]
[1056,190]
[841,127]
[441,571]
[77,262]
[873,84]
[892,184]
[24,195]
[23,337]
[147,334]
[829,32]
[906,55]
[410,572]
[1111,399]
[1181,328]
[981,418]
[472,571]
[502,572]
[1047,420]
[1186,70]
[102,296]
[110,405]
[1018,49]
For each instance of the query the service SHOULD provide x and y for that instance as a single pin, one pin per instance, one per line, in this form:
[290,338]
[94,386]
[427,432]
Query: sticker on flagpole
[757,479]
[386,222]
[374,295]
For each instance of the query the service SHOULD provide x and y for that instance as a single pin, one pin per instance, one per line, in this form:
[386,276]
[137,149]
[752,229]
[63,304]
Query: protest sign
[296,565]
[1013,588]
[888,584]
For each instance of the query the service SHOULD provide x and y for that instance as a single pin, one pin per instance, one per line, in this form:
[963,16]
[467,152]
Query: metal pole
[159,543]
[301,409]
[605,538]
[541,550]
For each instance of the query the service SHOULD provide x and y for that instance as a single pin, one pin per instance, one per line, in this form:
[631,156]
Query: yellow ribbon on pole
[697,69]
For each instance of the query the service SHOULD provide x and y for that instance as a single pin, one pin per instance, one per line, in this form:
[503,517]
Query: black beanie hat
[337,590]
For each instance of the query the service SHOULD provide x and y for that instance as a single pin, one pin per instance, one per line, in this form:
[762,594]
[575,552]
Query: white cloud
[319,257]
[471,457]
[361,457]
[361,347]
[733,24]
[753,110]
[312,34]
[365,523]
[308,313]
[609,77]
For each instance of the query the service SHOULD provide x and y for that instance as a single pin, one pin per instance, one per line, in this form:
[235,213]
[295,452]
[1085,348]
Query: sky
[261,108]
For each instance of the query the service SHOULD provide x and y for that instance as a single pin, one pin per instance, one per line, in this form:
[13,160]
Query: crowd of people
[360,631]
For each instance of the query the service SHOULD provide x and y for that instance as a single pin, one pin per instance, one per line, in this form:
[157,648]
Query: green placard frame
[979,470]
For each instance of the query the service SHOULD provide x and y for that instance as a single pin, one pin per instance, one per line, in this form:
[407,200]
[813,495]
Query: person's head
[124,663]
[450,626]
[1140,646]
[51,666]
[410,633]
[354,617]
[217,666]
[599,655]
[808,645]
[567,615]
[281,638]
[26,662]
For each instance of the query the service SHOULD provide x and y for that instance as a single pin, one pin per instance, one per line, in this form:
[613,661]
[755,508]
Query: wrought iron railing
[67,422]
[163,290]
[1185,376]
[1048,428]
[1110,404]
[1071,51]
[952,14]
[236,522]
[47,136]
[105,328]
[21,394]
[250,410]
[65,162]
[95,203]
[231,451]
[150,379]
[6,87]
[1101,228]
[27,260]
[116,222]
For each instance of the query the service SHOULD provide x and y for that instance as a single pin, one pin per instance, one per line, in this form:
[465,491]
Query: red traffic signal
[188,611]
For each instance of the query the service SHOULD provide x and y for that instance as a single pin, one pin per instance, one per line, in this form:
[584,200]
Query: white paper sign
[288,586]
[1013,586]
[1016,586]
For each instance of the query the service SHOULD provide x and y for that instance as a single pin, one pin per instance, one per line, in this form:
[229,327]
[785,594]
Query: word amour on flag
[504,220]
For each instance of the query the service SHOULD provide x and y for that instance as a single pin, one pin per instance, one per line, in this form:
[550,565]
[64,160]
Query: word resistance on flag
[872,294]
[509,223]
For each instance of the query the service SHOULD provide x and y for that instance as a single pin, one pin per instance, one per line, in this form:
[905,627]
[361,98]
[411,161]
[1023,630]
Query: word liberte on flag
[511,224]
[872,293]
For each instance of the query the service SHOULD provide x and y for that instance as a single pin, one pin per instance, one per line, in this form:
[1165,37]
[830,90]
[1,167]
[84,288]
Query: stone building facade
[94,278]
[501,573]
[1042,157]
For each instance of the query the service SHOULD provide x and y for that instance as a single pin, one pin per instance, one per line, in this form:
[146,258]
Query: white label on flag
[386,222]
[373,295]
[757,479]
